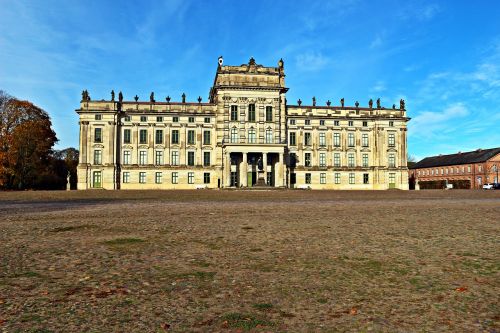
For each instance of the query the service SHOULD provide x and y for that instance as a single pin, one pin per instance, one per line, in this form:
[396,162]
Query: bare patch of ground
[245,261]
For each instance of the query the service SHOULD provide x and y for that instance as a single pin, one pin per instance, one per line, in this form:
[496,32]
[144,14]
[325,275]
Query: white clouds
[311,61]
[379,87]
[430,124]
[420,12]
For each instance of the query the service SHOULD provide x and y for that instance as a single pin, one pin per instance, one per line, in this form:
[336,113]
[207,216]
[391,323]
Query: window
[158,177]
[98,117]
[269,113]
[392,162]
[337,177]
[206,137]
[391,124]
[206,158]
[143,157]
[191,137]
[307,159]
[322,139]
[308,121]
[479,168]
[207,120]
[127,118]
[126,136]
[365,124]
[175,119]
[234,113]
[159,119]
[364,140]
[190,177]
[96,179]
[159,137]
[322,159]
[144,119]
[366,178]
[336,159]
[336,139]
[292,121]
[190,158]
[98,134]
[392,140]
[97,156]
[350,160]
[336,123]
[350,139]
[307,139]
[451,170]
[308,178]
[175,177]
[392,178]
[322,178]
[126,157]
[468,168]
[269,135]
[293,141]
[251,112]
[175,158]
[350,123]
[159,157]
[206,178]
[191,119]
[126,177]
[143,136]
[234,135]
[321,122]
[142,177]
[293,160]
[175,137]
[351,178]
[251,136]
[364,158]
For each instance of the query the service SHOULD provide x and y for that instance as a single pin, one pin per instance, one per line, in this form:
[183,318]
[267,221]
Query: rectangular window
[190,177]
[175,158]
[98,117]
[292,121]
[336,139]
[191,137]
[336,159]
[293,141]
[251,112]
[159,137]
[350,139]
[322,159]
[364,140]
[365,160]
[97,179]
[142,177]
[126,177]
[321,122]
[206,137]
[392,140]
[337,177]
[322,178]
[158,177]
[269,135]
[366,178]
[336,123]
[207,120]
[127,118]
[175,137]
[175,119]
[126,157]
[175,177]
[350,160]
[191,119]
[234,113]
[307,139]
[97,157]
[126,136]
[234,135]
[392,179]
[143,157]
[159,157]
[308,178]
[351,178]
[365,124]
[322,139]
[190,157]
[159,119]
[269,113]
[206,178]
[350,123]
[252,136]
[143,136]
[468,168]
[307,159]
[97,134]
[392,162]
[308,122]
[206,158]
[144,119]
[391,124]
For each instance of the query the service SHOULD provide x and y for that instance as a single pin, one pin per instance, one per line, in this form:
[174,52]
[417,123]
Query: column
[227,169]
[244,171]
[264,164]
[279,171]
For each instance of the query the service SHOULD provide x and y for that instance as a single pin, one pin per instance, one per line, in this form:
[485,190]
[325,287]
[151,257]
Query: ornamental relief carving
[97,146]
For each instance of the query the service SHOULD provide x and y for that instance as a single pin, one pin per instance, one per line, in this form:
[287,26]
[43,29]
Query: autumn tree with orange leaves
[26,141]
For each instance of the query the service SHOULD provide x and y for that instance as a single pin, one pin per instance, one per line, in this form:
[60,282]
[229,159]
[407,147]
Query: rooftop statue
[402,104]
[152,97]
[120,97]
[314,101]
[378,103]
[342,101]
[183,98]
[112,95]
[370,103]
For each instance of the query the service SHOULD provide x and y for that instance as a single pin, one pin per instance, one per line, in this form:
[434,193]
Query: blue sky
[443,57]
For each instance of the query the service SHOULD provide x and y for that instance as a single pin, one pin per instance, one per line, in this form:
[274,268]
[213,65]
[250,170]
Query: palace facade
[245,135]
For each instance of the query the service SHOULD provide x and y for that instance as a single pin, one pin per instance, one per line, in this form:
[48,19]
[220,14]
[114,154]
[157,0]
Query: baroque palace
[245,135]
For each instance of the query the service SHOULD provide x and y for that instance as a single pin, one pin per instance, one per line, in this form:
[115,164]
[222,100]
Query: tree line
[27,157]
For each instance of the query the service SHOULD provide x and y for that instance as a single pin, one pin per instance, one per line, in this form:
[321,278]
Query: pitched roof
[476,156]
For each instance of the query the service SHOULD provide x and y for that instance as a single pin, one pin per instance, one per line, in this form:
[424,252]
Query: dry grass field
[250,261]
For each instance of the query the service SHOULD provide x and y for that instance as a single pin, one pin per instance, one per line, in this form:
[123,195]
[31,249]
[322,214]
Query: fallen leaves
[165,326]
[462,289]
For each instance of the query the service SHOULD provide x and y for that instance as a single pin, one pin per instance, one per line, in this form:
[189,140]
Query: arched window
[269,135]
[234,135]
[252,138]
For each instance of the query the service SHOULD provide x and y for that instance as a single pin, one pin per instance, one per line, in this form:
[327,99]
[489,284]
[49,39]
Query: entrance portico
[241,165]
